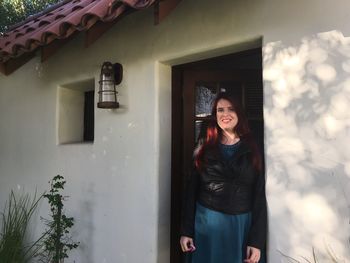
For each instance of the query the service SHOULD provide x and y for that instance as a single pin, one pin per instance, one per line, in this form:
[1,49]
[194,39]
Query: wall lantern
[111,75]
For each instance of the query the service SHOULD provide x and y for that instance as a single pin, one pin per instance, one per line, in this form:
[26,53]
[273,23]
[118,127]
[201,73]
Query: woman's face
[226,117]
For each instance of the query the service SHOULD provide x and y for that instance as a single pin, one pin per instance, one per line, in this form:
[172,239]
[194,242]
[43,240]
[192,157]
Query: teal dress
[220,237]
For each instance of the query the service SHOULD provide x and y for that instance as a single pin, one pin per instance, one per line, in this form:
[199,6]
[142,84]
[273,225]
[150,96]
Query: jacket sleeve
[189,204]
[257,233]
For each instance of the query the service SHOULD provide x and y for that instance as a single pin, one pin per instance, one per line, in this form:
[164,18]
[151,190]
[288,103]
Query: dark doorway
[193,87]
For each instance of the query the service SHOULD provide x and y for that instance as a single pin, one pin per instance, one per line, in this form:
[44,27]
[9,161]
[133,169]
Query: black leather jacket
[230,186]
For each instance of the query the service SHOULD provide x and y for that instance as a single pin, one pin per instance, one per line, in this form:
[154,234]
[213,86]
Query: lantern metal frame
[111,75]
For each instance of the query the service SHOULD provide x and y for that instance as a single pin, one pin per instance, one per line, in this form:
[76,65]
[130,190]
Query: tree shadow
[307,124]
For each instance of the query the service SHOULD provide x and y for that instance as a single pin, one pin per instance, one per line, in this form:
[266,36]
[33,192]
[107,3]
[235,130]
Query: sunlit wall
[307,125]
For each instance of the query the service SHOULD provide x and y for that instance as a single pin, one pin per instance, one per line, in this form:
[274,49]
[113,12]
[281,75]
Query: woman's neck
[229,138]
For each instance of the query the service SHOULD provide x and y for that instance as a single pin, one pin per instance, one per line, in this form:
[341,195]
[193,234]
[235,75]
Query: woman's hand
[253,255]
[187,244]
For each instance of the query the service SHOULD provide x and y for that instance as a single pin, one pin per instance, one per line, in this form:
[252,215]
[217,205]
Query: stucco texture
[119,185]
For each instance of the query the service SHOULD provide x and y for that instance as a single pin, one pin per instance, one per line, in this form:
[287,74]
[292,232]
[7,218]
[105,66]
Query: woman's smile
[225,120]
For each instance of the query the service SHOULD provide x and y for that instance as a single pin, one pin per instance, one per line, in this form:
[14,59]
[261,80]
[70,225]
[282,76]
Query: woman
[224,212]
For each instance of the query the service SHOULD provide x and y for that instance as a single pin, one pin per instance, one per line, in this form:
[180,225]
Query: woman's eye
[231,109]
[220,110]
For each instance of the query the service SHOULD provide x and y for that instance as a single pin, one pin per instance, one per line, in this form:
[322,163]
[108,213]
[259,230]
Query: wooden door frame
[177,135]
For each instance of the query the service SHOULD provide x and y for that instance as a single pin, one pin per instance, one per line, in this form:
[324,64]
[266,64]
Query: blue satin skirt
[219,237]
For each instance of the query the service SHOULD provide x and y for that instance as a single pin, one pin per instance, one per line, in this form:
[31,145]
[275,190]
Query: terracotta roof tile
[60,22]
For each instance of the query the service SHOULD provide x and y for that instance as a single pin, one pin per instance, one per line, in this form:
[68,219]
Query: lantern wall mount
[111,75]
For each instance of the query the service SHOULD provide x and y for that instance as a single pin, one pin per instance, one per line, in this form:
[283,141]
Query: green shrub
[57,242]
[14,227]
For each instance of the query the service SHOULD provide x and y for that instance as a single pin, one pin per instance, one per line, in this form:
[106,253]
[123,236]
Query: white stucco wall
[119,186]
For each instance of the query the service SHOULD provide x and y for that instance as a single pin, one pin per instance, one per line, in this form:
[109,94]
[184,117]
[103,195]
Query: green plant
[58,241]
[15,220]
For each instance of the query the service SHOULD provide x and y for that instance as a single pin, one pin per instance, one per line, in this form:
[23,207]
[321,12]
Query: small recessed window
[75,108]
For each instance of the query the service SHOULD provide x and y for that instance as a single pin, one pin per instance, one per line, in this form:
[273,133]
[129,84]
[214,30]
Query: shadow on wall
[87,229]
[307,128]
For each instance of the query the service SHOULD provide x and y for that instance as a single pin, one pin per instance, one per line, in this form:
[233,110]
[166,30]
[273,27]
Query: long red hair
[214,133]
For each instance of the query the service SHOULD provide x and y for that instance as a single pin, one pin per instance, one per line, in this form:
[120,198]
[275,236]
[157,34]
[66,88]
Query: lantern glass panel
[108,92]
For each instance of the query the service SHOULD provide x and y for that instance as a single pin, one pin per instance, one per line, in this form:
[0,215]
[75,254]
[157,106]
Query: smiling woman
[225,204]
